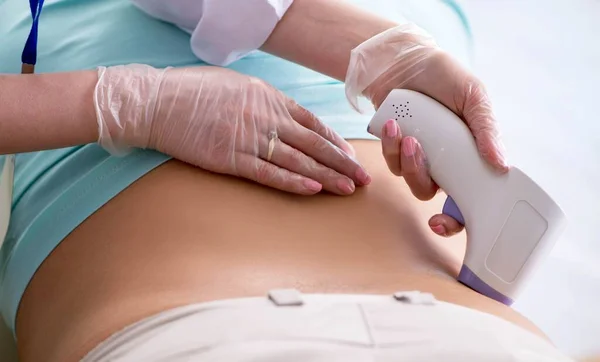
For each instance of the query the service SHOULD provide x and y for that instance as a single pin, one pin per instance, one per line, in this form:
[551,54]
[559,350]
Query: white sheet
[541,63]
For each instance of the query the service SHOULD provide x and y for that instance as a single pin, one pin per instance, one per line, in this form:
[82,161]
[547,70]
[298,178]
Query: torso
[181,235]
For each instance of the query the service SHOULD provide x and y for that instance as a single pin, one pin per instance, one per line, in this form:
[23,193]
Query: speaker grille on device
[402,110]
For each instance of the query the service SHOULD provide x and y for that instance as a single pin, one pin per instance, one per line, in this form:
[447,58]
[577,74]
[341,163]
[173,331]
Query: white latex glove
[407,57]
[225,122]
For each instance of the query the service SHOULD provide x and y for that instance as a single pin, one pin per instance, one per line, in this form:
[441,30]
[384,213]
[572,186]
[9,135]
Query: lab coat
[222,31]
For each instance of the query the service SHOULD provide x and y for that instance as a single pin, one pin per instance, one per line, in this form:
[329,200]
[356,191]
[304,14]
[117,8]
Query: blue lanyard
[29,55]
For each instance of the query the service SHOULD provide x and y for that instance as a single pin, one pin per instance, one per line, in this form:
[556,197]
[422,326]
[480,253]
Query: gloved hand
[225,122]
[407,57]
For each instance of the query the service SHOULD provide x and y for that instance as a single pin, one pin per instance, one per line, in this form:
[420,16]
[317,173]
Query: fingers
[454,86]
[310,121]
[405,157]
[445,225]
[414,169]
[270,175]
[478,115]
[293,160]
[313,145]
[390,144]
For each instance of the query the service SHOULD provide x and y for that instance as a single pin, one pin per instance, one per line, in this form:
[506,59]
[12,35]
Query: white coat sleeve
[223,31]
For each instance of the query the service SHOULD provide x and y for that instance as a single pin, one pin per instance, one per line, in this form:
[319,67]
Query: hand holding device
[407,57]
[511,223]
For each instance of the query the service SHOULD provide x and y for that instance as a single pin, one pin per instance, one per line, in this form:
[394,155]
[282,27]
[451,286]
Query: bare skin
[181,235]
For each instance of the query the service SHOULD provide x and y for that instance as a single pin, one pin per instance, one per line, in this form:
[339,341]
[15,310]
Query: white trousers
[287,326]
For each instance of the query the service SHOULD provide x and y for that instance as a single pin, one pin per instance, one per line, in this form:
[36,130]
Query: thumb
[479,116]
[445,225]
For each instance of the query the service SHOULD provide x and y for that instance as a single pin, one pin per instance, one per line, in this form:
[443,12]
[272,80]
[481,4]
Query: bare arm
[47,111]
[320,34]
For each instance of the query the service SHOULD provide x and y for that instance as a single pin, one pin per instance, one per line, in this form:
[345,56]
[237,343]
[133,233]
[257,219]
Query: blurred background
[541,63]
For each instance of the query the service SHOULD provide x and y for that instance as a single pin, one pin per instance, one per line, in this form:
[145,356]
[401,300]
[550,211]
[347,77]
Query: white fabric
[223,31]
[349,328]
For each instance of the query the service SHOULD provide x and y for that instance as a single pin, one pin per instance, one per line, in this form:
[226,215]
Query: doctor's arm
[46,111]
[179,111]
[320,34]
[373,56]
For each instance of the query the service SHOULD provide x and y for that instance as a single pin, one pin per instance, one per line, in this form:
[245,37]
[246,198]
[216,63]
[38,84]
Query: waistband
[291,326]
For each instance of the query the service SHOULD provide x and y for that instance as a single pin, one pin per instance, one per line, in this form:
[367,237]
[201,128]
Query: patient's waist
[185,227]
[181,235]
[205,228]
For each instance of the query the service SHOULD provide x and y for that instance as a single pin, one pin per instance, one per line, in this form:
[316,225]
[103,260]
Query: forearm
[47,111]
[320,34]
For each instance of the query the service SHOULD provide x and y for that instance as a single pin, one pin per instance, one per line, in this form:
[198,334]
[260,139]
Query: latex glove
[222,121]
[407,57]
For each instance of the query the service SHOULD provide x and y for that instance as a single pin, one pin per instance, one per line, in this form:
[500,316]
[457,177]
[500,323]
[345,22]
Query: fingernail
[312,185]
[409,146]
[345,186]
[439,229]
[363,176]
[391,129]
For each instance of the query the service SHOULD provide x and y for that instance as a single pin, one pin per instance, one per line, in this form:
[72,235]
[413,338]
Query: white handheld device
[511,223]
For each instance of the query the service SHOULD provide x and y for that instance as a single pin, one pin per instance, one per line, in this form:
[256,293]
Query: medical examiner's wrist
[398,78]
[125,98]
[319,34]
[394,58]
